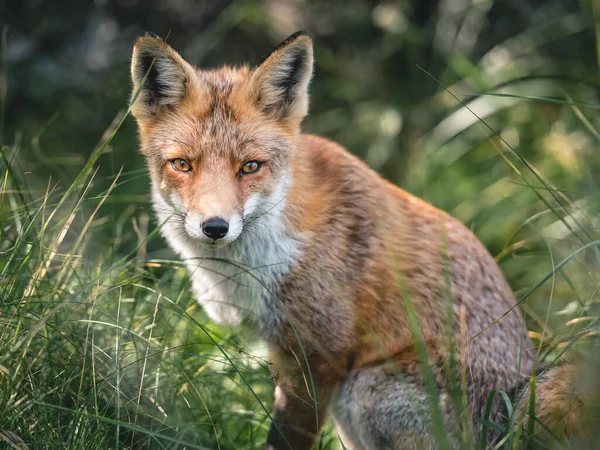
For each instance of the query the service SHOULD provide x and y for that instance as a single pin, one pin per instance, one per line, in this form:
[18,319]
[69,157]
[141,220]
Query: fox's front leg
[298,413]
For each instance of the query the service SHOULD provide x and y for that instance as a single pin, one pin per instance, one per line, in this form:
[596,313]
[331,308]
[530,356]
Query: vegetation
[489,110]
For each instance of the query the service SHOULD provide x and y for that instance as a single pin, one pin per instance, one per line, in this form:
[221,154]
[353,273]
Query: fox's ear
[280,84]
[168,77]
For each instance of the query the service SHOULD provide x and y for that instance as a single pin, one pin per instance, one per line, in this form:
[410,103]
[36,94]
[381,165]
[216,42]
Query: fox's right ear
[164,76]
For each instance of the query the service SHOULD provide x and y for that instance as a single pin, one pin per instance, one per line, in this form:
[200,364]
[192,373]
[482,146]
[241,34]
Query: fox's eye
[181,165]
[250,167]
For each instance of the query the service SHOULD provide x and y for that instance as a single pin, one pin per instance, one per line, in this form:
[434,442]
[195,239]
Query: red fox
[366,296]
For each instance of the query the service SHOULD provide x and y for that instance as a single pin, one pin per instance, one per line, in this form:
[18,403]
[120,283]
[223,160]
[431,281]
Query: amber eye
[181,165]
[250,167]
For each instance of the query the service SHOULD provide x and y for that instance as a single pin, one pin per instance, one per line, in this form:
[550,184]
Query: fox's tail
[565,399]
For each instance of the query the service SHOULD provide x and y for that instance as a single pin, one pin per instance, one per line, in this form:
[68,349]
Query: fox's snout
[215,228]
[207,207]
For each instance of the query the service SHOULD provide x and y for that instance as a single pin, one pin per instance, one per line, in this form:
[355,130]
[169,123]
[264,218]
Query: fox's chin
[212,245]
[209,244]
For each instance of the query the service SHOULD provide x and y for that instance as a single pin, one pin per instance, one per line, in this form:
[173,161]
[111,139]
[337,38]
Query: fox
[366,296]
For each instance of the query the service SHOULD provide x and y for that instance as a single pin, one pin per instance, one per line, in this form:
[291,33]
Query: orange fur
[565,396]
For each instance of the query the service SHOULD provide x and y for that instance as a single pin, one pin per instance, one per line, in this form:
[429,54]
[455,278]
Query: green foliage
[488,111]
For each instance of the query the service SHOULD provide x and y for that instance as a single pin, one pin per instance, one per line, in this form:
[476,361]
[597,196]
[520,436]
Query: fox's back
[370,249]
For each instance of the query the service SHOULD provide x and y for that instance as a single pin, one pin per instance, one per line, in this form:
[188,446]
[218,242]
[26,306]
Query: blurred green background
[489,109]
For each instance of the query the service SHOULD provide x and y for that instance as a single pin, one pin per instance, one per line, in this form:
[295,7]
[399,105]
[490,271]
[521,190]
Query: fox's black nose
[215,228]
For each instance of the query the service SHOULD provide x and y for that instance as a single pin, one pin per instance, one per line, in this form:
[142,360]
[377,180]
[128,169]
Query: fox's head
[218,142]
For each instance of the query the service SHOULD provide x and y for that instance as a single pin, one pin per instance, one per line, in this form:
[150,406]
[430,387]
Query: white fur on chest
[239,282]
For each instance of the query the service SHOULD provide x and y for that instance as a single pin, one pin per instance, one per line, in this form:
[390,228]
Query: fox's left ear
[280,84]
